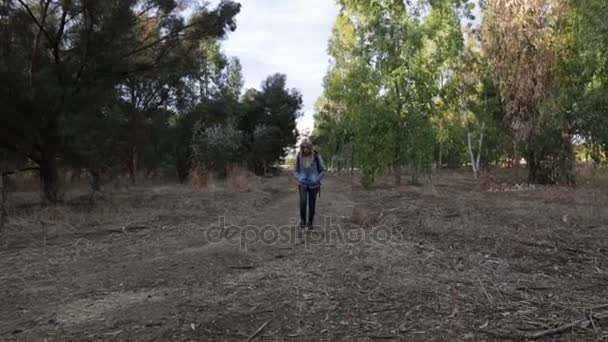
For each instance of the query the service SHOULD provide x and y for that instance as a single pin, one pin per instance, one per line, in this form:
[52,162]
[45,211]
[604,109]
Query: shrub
[216,148]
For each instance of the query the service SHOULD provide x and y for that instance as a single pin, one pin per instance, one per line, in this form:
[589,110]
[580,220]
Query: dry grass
[239,179]
[588,175]
[74,218]
[464,263]
[201,179]
[364,216]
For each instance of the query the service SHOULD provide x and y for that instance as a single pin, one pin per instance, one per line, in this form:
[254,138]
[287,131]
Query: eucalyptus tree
[61,59]
[387,61]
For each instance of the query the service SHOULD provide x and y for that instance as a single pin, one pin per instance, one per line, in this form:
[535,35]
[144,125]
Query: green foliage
[405,88]
[216,148]
[268,122]
[109,86]
[133,85]
[383,93]
[585,72]
[290,161]
[67,64]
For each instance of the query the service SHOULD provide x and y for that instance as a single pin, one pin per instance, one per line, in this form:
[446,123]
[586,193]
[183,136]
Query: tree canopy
[144,87]
[112,86]
[423,84]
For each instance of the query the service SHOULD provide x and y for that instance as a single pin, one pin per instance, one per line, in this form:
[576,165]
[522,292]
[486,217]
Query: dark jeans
[307,195]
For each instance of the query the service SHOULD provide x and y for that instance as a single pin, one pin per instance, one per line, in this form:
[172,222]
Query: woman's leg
[303,191]
[312,203]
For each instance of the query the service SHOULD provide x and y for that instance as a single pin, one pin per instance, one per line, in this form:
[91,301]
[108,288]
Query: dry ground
[456,261]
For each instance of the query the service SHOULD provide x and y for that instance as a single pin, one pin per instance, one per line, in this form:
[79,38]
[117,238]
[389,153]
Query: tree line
[132,87]
[421,84]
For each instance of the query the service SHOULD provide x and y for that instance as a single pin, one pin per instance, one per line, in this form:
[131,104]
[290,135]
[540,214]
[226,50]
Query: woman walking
[309,172]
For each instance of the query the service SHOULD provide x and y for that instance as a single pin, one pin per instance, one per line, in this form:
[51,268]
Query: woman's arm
[321,166]
[296,171]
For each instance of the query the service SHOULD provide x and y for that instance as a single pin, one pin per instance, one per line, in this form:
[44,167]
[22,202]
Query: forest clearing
[162,161]
[465,260]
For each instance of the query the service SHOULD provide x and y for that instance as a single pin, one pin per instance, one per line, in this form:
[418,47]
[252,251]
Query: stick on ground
[566,327]
[245,267]
[259,331]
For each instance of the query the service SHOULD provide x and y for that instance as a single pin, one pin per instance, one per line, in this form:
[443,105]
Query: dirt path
[144,279]
[440,265]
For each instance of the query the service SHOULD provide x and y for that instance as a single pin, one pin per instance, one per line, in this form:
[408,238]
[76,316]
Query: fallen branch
[488,297]
[10,173]
[584,252]
[382,337]
[533,243]
[259,331]
[246,267]
[382,310]
[534,288]
[581,323]
[500,336]
[598,307]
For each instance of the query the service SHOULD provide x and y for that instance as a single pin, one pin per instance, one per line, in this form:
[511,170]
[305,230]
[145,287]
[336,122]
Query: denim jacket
[310,176]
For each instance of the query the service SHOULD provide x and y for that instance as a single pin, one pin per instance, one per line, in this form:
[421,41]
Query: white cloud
[306,122]
[285,36]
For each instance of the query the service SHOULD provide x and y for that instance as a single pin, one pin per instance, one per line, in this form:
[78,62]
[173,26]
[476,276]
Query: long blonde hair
[306,161]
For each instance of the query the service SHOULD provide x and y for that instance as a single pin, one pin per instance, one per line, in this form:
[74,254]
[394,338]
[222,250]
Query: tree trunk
[479,148]
[397,175]
[516,156]
[397,161]
[3,199]
[532,169]
[95,180]
[471,155]
[133,165]
[415,170]
[182,173]
[475,160]
[537,174]
[515,163]
[183,162]
[49,177]
[567,161]
[596,155]
[440,166]
[352,160]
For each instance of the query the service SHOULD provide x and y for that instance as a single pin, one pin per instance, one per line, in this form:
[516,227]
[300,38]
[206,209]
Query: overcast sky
[285,36]
[289,37]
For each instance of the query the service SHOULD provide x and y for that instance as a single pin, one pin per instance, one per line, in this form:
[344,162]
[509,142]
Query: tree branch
[45,5]
[156,42]
[29,11]
[8,173]
[145,10]
[86,57]
[20,150]
[60,32]
[162,39]
[529,42]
